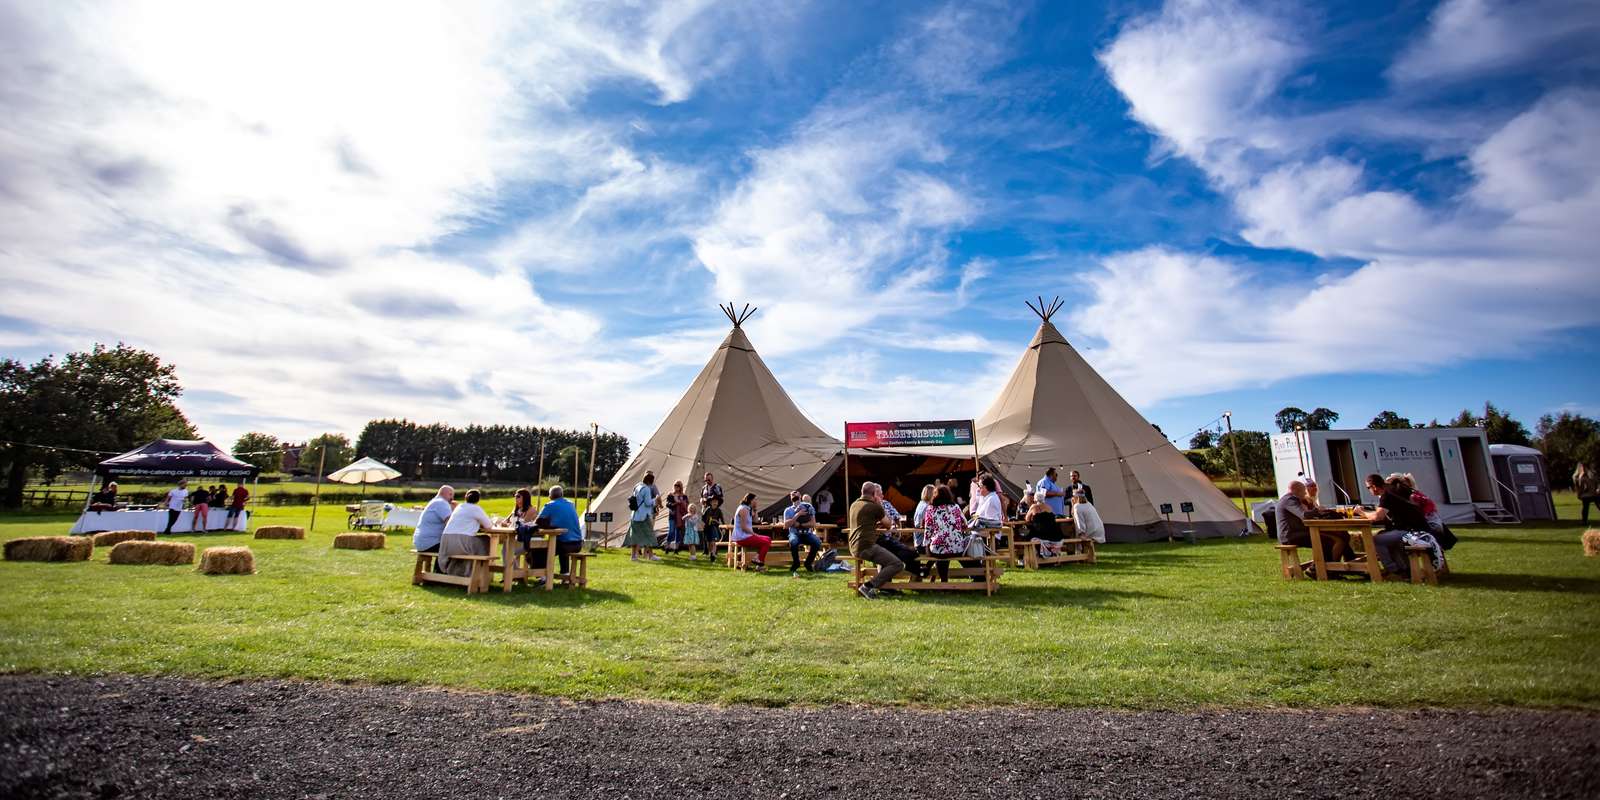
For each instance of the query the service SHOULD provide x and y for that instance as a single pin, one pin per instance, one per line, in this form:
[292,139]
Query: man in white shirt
[460,536]
[175,500]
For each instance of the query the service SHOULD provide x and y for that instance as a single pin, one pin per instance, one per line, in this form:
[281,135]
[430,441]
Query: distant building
[291,457]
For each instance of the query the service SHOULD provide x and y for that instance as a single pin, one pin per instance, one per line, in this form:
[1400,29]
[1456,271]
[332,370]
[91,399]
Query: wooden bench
[1422,570]
[1072,551]
[959,577]
[476,583]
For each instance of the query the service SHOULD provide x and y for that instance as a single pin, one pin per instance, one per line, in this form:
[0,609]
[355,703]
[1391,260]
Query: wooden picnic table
[1360,530]
[504,537]
[776,530]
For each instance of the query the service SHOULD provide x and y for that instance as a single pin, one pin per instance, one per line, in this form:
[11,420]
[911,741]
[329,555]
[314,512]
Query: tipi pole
[594,446]
[316,498]
[1238,471]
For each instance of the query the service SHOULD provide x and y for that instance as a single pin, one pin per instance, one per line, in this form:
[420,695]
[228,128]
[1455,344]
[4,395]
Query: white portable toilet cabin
[1450,465]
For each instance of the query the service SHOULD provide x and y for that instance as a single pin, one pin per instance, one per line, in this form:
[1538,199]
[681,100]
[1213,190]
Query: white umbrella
[365,471]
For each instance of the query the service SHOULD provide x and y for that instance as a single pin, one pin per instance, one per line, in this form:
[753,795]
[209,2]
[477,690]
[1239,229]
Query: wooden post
[316,497]
[1238,471]
[594,447]
[846,514]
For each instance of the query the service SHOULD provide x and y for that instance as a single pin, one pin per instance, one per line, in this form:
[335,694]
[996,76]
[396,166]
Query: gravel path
[174,738]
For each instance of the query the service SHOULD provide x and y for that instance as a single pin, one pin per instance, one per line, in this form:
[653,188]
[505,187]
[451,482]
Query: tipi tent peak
[734,420]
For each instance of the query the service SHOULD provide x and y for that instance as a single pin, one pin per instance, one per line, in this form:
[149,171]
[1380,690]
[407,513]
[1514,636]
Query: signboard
[956,432]
[1187,508]
[591,517]
[1166,508]
[605,516]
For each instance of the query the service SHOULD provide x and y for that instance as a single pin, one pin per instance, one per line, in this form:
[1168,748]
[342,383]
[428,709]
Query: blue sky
[482,212]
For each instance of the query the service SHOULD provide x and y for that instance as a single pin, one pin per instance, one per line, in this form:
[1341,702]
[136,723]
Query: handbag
[976,546]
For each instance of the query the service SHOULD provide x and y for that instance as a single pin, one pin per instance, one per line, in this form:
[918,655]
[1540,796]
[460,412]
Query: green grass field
[1151,626]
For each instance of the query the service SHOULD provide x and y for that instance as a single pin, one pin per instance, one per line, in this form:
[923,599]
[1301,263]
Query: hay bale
[114,538]
[1591,542]
[280,532]
[50,548]
[360,541]
[142,552]
[228,561]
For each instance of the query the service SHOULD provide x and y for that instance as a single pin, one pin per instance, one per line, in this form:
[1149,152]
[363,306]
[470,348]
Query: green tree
[1255,456]
[261,449]
[1321,419]
[106,399]
[1502,429]
[1567,440]
[1202,439]
[339,453]
[1289,419]
[1389,421]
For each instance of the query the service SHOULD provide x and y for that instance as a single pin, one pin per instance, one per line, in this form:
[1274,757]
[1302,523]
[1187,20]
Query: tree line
[491,452]
[1566,439]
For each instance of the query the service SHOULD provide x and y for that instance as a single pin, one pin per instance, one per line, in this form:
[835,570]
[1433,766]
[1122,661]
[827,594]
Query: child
[711,527]
[691,530]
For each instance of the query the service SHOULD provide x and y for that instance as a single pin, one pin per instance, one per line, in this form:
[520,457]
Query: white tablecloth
[95,521]
[398,517]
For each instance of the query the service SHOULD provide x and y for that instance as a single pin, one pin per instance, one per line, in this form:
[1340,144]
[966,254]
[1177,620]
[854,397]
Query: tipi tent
[735,421]
[1057,411]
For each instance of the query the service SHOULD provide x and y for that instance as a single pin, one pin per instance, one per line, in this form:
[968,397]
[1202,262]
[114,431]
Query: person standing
[1051,493]
[241,496]
[1075,484]
[175,499]
[646,500]
[434,517]
[200,500]
[824,505]
[1586,483]
[866,517]
[711,521]
[677,508]
[710,490]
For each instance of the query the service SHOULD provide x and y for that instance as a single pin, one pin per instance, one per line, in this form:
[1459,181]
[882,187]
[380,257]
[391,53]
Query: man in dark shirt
[1075,484]
[866,516]
[105,499]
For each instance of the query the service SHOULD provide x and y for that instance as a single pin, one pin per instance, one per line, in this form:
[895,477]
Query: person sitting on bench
[944,530]
[798,519]
[1292,510]
[1086,519]
[1042,526]
[460,536]
[744,531]
[558,513]
[988,512]
[866,518]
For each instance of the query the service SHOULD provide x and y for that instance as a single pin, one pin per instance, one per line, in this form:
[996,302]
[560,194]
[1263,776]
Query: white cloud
[846,211]
[1468,38]
[256,194]
[1505,264]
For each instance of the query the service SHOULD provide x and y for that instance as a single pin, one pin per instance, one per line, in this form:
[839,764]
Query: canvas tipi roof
[735,421]
[1057,411]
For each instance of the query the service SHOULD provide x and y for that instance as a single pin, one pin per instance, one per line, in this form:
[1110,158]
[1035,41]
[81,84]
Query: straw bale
[280,532]
[141,552]
[49,548]
[1591,542]
[228,561]
[114,538]
[360,541]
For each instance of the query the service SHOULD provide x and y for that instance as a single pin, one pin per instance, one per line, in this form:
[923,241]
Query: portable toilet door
[1522,473]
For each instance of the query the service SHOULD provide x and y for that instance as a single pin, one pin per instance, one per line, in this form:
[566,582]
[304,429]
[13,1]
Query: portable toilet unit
[1524,481]
[1450,465]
